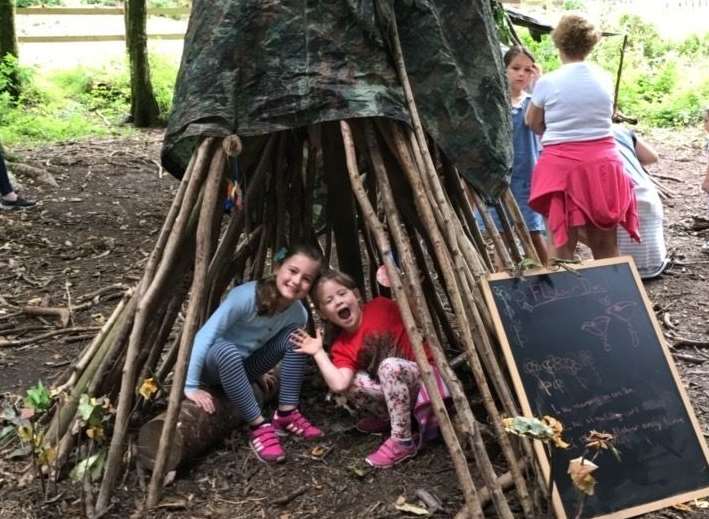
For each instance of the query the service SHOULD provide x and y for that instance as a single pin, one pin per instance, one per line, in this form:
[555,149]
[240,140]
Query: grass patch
[76,103]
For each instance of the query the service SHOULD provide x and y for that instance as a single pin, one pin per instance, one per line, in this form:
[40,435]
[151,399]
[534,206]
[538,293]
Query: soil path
[97,229]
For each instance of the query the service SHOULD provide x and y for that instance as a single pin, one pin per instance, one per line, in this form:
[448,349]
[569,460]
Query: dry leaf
[318,451]
[580,470]
[402,506]
[148,388]
[701,503]
[557,428]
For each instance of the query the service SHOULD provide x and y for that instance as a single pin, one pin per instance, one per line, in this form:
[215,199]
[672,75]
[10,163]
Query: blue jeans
[5,186]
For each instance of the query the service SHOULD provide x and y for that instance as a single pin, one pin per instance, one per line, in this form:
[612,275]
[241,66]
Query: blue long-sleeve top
[236,322]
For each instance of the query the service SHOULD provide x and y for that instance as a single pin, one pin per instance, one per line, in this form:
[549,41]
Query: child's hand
[305,343]
[202,398]
[534,76]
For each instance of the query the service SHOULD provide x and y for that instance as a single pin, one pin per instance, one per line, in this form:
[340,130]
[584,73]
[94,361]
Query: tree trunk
[8,45]
[143,106]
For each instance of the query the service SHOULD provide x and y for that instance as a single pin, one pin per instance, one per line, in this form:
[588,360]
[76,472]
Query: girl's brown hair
[330,275]
[267,295]
[515,51]
[575,36]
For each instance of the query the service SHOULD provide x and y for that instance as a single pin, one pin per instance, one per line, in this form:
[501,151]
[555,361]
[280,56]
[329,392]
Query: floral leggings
[394,395]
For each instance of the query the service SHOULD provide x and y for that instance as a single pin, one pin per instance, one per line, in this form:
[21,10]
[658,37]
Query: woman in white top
[578,185]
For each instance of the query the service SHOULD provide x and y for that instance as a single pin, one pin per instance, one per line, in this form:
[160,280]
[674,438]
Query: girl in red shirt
[371,362]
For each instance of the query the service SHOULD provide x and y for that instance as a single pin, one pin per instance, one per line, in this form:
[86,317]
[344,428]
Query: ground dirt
[96,230]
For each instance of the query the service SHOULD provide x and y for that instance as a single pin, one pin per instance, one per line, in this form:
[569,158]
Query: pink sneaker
[373,425]
[390,453]
[295,424]
[266,445]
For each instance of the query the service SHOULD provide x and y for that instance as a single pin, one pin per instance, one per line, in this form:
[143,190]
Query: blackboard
[585,347]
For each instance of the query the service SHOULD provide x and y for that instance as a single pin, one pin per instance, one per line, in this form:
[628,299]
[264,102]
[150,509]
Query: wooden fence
[95,11]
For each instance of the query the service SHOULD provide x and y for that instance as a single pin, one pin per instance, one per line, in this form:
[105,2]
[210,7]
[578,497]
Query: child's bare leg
[540,244]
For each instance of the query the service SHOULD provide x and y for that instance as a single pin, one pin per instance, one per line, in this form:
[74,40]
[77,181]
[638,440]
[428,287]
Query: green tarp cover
[253,67]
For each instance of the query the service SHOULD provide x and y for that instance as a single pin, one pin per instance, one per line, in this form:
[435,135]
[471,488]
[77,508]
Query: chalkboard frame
[518,385]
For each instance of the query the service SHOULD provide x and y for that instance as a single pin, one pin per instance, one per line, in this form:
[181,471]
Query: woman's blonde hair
[267,295]
[575,36]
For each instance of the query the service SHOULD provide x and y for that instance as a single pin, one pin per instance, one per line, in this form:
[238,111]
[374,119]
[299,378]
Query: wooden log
[196,431]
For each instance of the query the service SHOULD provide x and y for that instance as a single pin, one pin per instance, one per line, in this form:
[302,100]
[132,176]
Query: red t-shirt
[379,317]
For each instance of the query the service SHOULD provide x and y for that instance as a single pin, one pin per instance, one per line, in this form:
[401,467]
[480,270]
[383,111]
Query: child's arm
[237,304]
[337,379]
[645,153]
[534,118]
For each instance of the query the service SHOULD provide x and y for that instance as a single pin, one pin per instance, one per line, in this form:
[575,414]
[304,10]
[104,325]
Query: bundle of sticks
[386,199]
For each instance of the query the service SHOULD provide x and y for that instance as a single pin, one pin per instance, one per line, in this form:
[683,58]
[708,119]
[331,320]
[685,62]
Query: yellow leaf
[95,433]
[148,388]
[25,433]
[46,455]
[318,451]
[701,503]
[580,470]
[557,427]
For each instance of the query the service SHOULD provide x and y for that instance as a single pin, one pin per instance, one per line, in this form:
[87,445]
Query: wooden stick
[54,333]
[147,293]
[448,375]
[491,228]
[509,202]
[62,313]
[86,357]
[198,291]
[414,334]
[446,258]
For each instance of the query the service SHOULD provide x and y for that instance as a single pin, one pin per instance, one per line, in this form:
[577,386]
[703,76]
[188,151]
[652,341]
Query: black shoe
[18,203]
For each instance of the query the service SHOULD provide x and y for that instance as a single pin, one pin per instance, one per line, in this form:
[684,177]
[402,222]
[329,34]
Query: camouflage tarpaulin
[253,67]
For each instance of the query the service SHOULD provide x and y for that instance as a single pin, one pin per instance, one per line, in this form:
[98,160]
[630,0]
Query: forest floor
[95,231]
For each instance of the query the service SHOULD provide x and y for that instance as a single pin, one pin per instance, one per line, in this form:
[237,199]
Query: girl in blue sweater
[246,337]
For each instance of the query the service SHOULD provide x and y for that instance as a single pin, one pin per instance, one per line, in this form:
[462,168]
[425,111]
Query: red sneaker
[266,445]
[390,453]
[295,424]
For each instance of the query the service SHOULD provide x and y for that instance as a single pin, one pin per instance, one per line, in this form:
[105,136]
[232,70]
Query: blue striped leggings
[227,367]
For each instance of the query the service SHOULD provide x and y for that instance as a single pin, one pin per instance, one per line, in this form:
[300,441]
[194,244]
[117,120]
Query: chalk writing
[531,296]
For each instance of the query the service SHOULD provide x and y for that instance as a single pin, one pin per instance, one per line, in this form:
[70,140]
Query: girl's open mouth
[344,314]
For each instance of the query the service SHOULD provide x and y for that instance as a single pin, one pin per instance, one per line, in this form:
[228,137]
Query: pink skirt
[583,183]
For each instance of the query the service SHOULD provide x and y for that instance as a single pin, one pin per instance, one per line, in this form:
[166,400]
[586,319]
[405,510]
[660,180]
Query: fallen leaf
[580,470]
[318,451]
[402,506]
[148,388]
[701,503]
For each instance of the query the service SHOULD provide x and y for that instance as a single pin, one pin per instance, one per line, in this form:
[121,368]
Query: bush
[76,103]
[662,83]
[38,3]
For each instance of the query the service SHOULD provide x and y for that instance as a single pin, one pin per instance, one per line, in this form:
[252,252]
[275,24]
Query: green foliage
[38,3]
[38,398]
[574,5]
[77,103]
[663,83]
